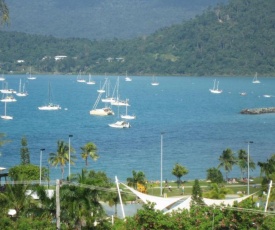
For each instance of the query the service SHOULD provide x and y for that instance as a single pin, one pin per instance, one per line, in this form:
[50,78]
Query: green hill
[100,19]
[234,39]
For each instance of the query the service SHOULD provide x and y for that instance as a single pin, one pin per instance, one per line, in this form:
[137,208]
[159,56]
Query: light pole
[161,155]
[248,160]
[70,155]
[41,151]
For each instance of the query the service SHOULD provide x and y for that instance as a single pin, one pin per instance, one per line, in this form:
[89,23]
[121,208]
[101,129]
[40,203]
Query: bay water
[195,126]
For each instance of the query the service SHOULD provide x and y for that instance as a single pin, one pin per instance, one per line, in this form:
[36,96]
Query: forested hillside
[235,39]
[100,19]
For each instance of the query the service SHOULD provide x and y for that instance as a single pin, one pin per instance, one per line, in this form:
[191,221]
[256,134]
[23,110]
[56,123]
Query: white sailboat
[102,89]
[31,77]
[120,124]
[105,111]
[90,81]
[79,78]
[50,105]
[108,98]
[5,116]
[21,91]
[255,79]
[5,89]
[126,115]
[127,78]
[215,88]
[2,78]
[8,98]
[154,81]
[117,101]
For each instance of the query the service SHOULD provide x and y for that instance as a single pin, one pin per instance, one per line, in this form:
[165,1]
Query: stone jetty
[258,110]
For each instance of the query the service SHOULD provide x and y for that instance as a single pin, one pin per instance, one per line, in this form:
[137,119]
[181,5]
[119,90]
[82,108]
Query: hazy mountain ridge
[233,39]
[100,19]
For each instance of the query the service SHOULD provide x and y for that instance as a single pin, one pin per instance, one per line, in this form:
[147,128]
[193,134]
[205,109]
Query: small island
[258,110]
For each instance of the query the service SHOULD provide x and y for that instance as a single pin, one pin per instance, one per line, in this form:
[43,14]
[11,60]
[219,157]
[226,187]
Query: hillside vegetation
[234,39]
[100,19]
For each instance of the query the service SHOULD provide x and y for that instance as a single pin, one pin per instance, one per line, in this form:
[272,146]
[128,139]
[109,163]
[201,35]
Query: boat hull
[102,112]
[49,107]
[120,125]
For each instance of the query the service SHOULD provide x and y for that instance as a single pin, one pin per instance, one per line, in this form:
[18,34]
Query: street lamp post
[41,151]
[161,155]
[248,161]
[70,155]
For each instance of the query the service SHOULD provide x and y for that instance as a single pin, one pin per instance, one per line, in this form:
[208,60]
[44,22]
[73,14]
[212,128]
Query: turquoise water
[197,125]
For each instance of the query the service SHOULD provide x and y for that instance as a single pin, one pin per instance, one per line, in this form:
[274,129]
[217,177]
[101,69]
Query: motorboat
[120,124]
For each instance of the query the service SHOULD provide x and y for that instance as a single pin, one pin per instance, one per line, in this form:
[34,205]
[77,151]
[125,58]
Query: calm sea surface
[197,125]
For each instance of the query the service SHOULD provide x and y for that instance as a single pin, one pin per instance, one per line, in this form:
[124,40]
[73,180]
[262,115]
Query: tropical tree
[214,175]
[179,171]
[217,192]
[14,197]
[197,193]
[227,160]
[80,201]
[89,150]
[268,173]
[24,151]
[27,172]
[61,156]
[138,177]
[243,162]
[113,199]
[4,12]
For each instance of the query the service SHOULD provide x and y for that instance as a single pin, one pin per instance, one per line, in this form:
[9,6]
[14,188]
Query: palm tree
[61,156]
[15,197]
[227,160]
[89,150]
[138,177]
[242,162]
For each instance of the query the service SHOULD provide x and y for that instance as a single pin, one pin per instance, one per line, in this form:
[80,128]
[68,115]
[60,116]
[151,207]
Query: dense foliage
[100,19]
[234,39]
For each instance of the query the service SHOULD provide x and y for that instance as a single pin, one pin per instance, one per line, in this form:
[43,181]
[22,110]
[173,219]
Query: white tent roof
[1,168]
[226,202]
[186,204]
[183,205]
[161,203]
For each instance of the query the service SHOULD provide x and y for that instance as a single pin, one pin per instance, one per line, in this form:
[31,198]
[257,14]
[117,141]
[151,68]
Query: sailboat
[105,111]
[120,124]
[79,78]
[255,79]
[30,77]
[90,82]
[215,88]
[8,98]
[154,81]
[127,116]
[127,78]
[2,78]
[21,92]
[118,102]
[107,98]
[5,116]
[50,105]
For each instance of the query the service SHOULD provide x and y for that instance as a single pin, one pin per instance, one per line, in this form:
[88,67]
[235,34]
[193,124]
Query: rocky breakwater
[258,110]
